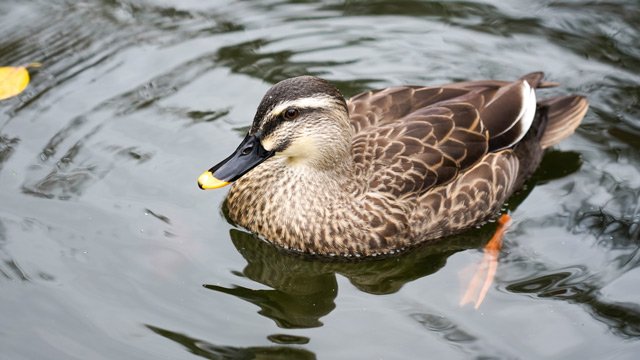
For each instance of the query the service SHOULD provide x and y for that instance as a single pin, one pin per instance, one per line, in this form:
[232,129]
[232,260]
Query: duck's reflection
[302,292]
[303,289]
[209,350]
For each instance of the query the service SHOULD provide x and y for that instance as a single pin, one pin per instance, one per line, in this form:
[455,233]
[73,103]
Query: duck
[390,168]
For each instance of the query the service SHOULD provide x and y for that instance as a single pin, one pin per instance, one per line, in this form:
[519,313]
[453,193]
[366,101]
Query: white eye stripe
[308,102]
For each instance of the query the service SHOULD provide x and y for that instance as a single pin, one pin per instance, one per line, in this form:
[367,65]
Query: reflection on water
[470,345]
[9,269]
[298,297]
[6,148]
[615,223]
[303,288]
[246,58]
[105,241]
[579,286]
[216,352]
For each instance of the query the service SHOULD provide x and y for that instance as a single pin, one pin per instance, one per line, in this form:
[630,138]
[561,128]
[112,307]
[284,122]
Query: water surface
[108,249]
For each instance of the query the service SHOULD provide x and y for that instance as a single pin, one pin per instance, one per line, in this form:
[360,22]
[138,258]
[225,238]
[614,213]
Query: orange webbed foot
[486,269]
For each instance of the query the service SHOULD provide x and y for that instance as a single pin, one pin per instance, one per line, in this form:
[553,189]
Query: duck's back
[455,153]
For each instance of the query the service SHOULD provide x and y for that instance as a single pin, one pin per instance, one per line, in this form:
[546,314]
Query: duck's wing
[409,139]
[379,107]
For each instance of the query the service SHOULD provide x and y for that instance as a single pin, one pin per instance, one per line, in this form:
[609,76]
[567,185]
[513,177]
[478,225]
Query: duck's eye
[291,113]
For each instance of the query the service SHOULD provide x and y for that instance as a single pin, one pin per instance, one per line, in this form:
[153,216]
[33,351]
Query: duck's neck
[324,149]
[290,203]
[303,178]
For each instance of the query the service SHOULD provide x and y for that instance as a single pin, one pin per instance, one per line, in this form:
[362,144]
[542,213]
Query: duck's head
[304,119]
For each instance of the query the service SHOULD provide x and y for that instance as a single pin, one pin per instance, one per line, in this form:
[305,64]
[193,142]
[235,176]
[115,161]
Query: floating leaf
[13,80]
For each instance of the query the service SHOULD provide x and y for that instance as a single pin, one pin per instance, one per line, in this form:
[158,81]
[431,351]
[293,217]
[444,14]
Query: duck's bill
[248,155]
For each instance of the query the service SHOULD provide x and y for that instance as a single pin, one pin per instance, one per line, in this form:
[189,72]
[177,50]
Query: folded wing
[410,139]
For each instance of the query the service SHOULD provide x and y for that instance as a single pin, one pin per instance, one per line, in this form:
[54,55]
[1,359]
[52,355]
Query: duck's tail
[564,112]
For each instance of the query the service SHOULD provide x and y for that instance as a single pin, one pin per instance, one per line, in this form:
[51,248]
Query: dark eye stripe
[269,126]
[272,123]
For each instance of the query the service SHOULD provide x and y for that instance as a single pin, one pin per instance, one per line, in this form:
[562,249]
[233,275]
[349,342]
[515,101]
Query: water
[108,250]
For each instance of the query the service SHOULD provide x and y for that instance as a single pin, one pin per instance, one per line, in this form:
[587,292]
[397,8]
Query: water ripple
[209,350]
[577,285]
[102,149]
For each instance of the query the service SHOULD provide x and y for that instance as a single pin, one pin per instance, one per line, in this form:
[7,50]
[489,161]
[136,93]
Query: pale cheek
[268,144]
[301,148]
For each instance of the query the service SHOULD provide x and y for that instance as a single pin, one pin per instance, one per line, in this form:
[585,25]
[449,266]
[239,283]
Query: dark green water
[109,251]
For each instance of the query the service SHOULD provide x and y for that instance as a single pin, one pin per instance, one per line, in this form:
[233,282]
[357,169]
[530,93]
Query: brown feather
[565,114]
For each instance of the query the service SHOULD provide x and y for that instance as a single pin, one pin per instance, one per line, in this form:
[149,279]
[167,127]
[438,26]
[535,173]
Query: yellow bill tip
[207,181]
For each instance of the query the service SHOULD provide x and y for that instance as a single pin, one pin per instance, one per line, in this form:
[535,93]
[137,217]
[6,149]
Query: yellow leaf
[13,80]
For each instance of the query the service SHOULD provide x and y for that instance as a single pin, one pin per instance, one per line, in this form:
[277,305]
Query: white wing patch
[525,115]
[528,110]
